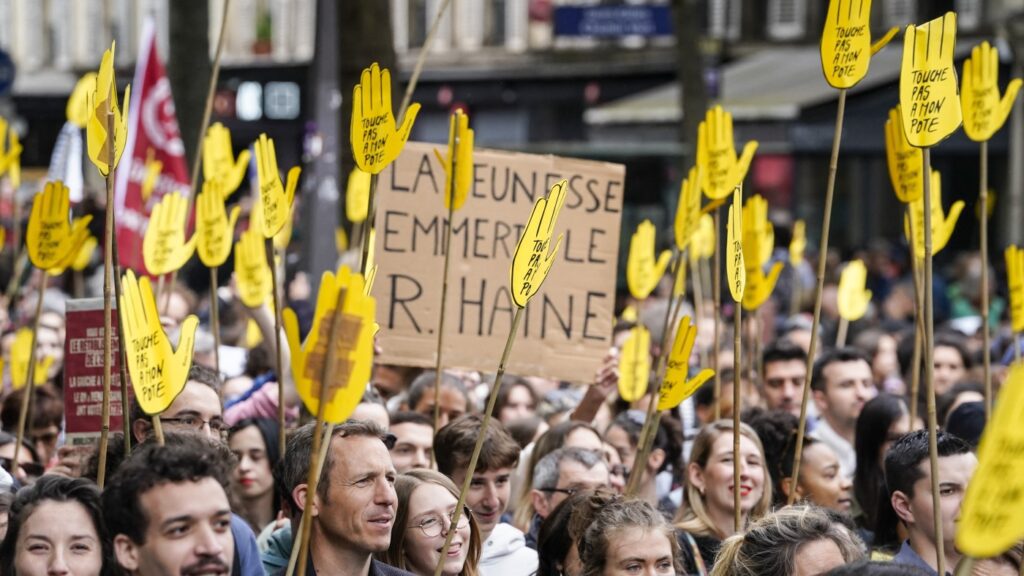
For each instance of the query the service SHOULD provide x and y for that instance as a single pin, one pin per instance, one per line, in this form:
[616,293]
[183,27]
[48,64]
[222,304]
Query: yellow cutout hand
[702,245]
[219,163]
[853,296]
[846,47]
[532,260]
[12,161]
[51,237]
[758,232]
[942,224]
[153,169]
[340,239]
[21,355]
[735,269]
[460,148]
[984,111]
[252,272]
[720,169]
[688,212]
[643,272]
[798,244]
[158,371]
[678,386]
[759,286]
[77,109]
[928,91]
[215,230]
[357,196]
[635,364]
[164,248]
[375,140]
[679,283]
[276,199]
[906,163]
[1015,285]
[78,259]
[101,101]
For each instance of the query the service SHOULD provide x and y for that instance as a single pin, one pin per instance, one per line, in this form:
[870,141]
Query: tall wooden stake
[122,367]
[737,406]
[420,59]
[371,214]
[278,353]
[716,281]
[215,324]
[929,367]
[447,246]
[30,384]
[844,328]
[986,335]
[108,280]
[915,368]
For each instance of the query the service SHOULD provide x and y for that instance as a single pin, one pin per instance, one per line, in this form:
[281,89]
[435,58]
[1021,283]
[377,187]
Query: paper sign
[219,163]
[688,211]
[275,199]
[635,364]
[158,371]
[942,224]
[702,245]
[984,111]
[678,386]
[164,248]
[720,169]
[100,103]
[21,355]
[758,233]
[735,269]
[340,239]
[565,332]
[798,244]
[760,286]
[375,140]
[214,229]
[533,259]
[77,109]
[989,521]
[846,47]
[357,196]
[51,237]
[853,296]
[77,260]
[252,272]
[642,271]
[12,161]
[460,149]
[679,283]
[906,163]
[1015,284]
[153,169]
[928,91]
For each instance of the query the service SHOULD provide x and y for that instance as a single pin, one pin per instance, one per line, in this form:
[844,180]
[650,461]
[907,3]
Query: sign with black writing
[566,329]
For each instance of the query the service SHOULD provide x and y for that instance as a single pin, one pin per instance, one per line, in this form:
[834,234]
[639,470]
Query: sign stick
[108,281]
[716,291]
[278,356]
[915,368]
[491,400]
[418,68]
[21,262]
[1016,348]
[215,320]
[126,425]
[795,296]
[444,293]
[30,384]
[371,214]
[833,166]
[737,399]
[698,300]
[325,444]
[985,334]
[158,430]
[844,327]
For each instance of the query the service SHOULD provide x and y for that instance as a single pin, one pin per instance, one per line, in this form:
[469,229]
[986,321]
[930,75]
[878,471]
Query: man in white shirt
[841,383]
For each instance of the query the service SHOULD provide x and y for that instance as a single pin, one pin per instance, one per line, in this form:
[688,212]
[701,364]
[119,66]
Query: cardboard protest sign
[357,197]
[460,153]
[928,89]
[984,111]
[643,271]
[565,331]
[101,103]
[252,272]
[704,240]
[678,385]
[635,364]
[759,286]
[853,296]
[846,47]
[688,211]
[83,372]
[376,141]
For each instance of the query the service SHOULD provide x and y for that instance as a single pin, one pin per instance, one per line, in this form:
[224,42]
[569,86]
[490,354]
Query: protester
[951,361]
[455,399]
[821,481]
[784,370]
[628,537]
[561,474]
[414,441]
[45,421]
[776,430]
[841,383]
[516,400]
[560,533]
[254,442]
[29,466]
[1006,564]
[876,568]
[883,420]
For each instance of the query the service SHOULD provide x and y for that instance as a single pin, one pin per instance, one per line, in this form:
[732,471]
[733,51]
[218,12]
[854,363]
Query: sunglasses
[31,469]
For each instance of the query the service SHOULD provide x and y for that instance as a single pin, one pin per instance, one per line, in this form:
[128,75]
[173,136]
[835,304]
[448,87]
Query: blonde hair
[621,514]
[693,516]
[405,485]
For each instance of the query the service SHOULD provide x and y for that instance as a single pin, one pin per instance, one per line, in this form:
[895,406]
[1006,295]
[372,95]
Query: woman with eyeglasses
[254,443]
[426,504]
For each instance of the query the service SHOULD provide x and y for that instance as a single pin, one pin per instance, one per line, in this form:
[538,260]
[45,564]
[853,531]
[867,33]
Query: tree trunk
[693,91]
[189,67]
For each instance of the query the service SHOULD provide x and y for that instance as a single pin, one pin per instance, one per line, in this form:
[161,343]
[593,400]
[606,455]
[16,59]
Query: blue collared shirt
[908,555]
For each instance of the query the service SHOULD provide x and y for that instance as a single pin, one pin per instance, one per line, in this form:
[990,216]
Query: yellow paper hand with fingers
[702,245]
[643,272]
[942,224]
[758,233]
[1015,286]
[12,161]
[678,386]
[635,364]
[21,355]
[215,230]
[357,196]
[100,103]
[376,141]
[735,269]
[760,286]
[846,47]
[532,260]
[688,211]
[720,169]
[153,168]
[853,296]
[984,111]
[353,347]
[52,239]
[77,108]
[219,162]
[460,150]
[679,284]
[275,199]
[77,260]
[158,371]
[252,272]
[164,248]
[906,163]
[929,102]
[798,244]
[284,235]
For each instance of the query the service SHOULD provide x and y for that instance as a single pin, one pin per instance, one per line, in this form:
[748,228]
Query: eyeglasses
[217,425]
[31,469]
[567,491]
[433,526]
[620,470]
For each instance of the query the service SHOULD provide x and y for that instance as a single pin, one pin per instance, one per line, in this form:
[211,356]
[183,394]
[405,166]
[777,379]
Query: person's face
[885,363]
[430,510]
[45,440]
[574,476]
[817,557]
[998,566]
[848,385]
[360,505]
[28,469]
[899,428]
[954,475]
[58,539]
[821,481]
[372,412]
[252,476]
[50,344]
[802,338]
[715,480]
[634,550]
[197,409]
[520,405]
[453,405]
[618,438]
[584,438]
[488,496]
[175,310]
[188,532]
[616,470]
[783,385]
[949,368]
[414,444]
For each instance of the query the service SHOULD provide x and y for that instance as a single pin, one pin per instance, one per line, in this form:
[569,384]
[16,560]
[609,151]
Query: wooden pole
[30,383]
[108,280]
[215,324]
[698,301]
[986,335]
[158,430]
[278,354]
[447,246]
[915,368]
[325,444]
[737,406]
[833,166]
[371,214]
[420,59]
[716,280]
[844,327]
[122,367]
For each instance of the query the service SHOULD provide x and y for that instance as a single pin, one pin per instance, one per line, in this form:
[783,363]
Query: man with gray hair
[561,474]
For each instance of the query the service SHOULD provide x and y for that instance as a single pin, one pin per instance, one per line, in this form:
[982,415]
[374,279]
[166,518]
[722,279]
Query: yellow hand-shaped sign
[1015,286]
[375,140]
[798,244]
[51,238]
[357,196]
[720,169]
[77,260]
[759,286]
[215,230]
[846,47]
[735,270]
[688,211]
[942,224]
[164,248]
[252,272]
[702,245]
[679,284]
[276,199]
[643,272]
[928,99]
[984,111]
[853,296]
[152,172]
[12,161]
[77,109]
[678,386]
[906,163]
[460,151]
[532,260]
[635,364]
[758,232]
[21,355]
[353,348]
[102,101]
[219,163]
[340,239]
[158,371]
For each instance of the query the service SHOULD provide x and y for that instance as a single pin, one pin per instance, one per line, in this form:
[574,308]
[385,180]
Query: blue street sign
[613,20]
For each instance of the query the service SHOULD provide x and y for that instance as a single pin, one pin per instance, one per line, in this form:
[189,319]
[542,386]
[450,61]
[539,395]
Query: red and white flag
[152,133]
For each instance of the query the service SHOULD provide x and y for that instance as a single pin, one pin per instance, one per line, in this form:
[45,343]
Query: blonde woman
[707,515]
[426,504]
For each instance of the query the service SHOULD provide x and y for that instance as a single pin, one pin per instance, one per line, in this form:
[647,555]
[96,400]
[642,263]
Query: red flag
[152,132]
